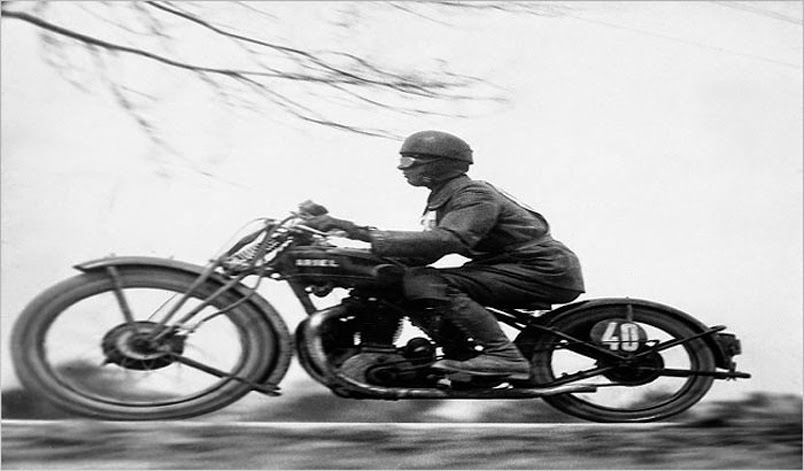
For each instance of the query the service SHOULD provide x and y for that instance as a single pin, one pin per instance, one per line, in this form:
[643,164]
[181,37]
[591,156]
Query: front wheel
[87,345]
[658,383]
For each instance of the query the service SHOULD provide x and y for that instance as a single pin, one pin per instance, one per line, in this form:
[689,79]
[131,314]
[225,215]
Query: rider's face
[415,168]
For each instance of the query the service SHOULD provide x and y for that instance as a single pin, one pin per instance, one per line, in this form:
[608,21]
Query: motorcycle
[144,338]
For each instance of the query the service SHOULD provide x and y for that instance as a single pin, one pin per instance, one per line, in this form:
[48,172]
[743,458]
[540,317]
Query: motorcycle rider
[514,261]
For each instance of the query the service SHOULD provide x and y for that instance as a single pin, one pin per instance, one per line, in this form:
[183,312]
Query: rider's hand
[325,222]
[311,208]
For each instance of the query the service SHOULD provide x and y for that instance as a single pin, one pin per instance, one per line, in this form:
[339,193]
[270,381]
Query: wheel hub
[636,372]
[129,346]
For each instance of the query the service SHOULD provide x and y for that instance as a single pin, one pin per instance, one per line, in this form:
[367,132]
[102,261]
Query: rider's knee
[425,286]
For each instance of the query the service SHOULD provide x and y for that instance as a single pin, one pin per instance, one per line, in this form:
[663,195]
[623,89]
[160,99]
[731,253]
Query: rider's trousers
[458,295]
[499,285]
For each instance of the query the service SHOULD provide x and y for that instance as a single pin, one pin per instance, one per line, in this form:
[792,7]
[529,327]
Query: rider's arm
[469,215]
[427,245]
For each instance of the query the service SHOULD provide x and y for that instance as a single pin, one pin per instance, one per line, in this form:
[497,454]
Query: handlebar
[249,250]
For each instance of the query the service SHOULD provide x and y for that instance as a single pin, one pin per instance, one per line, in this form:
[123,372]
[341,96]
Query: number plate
[619,335]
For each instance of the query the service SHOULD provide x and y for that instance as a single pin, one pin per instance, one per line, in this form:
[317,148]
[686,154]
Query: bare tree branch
[292,78]
[139,52]
[390,80]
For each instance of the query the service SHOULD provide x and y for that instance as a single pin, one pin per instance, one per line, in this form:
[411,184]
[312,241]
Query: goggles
[409,160]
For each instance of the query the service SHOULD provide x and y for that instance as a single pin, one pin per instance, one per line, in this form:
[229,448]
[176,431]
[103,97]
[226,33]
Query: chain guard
[404,367]
[386,369]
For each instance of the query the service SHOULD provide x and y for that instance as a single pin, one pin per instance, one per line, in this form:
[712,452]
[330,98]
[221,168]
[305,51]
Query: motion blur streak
[354,425]
[759,433]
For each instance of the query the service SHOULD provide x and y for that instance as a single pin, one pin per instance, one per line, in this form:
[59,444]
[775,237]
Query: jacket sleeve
[467,218]
[425,247]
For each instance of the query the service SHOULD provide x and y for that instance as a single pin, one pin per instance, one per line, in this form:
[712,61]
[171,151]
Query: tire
[625,396]
[72,344]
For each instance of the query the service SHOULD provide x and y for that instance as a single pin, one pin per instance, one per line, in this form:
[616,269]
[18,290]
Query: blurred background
[662,140]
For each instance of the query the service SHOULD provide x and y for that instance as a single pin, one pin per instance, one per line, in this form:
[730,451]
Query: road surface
[190,444]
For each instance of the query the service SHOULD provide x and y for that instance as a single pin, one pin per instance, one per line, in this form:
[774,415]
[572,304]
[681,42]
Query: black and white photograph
[401,234]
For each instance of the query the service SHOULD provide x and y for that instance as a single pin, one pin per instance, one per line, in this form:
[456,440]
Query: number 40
[625,338]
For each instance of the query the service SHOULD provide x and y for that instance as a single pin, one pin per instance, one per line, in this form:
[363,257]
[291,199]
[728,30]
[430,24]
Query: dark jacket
[474,219]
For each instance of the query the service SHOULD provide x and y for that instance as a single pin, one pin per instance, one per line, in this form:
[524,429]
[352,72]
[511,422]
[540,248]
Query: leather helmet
[438,144]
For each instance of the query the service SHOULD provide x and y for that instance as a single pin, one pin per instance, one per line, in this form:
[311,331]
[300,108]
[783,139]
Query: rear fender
[269,314]
[722,358]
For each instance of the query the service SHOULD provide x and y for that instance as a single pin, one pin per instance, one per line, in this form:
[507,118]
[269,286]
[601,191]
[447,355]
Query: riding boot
[498,355]
[445,334]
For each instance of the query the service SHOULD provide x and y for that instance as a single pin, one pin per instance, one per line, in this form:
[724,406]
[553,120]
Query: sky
[662,140]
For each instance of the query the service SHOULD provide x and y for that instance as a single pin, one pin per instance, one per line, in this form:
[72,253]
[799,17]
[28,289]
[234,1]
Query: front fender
[104,262]
[722,359]
[269,314]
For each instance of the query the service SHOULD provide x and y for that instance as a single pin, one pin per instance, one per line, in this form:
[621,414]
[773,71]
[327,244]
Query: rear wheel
[653,384]
[87,344]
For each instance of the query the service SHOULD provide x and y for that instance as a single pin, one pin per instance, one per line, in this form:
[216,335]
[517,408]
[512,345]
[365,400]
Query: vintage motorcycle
[142,338]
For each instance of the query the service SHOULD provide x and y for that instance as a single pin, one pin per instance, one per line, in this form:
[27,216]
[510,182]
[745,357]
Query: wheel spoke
[199,366]
[590,351]
[678,341]
[268,389]
[162,306]
[120,295]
